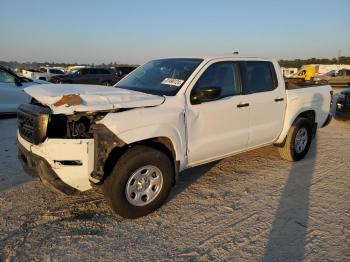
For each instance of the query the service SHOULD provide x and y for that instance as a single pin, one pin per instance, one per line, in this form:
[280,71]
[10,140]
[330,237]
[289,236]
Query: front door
[221,127]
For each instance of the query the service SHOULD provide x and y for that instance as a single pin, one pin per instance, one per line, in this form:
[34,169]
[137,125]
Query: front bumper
[63,164]
[37,166]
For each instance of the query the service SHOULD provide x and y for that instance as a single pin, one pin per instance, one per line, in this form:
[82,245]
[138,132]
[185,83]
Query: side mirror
[18,82]
[205,94]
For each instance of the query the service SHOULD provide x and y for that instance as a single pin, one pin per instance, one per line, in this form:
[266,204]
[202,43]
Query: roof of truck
[208,58]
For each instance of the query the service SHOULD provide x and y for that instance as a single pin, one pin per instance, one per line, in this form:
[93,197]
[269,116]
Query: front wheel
[140,182]
[298,140]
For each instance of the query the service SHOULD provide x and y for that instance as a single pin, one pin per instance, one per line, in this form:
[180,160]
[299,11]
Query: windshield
[160,77]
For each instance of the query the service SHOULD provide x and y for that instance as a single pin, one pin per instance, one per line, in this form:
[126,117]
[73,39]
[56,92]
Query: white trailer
[288,71]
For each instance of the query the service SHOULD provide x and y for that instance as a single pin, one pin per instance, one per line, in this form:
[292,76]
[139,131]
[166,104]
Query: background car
[122,71]
[44,73]
[11,90]
[342,78]
[95,76]
[342,109]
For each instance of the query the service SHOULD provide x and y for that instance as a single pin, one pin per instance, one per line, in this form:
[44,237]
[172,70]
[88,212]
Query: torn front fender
[104,142]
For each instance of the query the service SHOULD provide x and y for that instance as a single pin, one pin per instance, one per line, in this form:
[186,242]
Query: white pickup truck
[166,116]
[44,73]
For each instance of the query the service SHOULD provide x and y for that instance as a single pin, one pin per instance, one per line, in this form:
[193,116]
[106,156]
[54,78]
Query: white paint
[44,73]
[66,149]
[94,97]
[199,133]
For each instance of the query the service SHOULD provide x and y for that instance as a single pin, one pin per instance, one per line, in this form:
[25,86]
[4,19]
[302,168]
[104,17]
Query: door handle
[243,105]
[279,99]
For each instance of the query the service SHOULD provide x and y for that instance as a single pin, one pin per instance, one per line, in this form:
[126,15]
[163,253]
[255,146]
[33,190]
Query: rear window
[56,71]
[259,77]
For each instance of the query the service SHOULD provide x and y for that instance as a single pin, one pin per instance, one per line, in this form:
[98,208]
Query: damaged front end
[36,122]
[63,150]
[61,126]
[104,142]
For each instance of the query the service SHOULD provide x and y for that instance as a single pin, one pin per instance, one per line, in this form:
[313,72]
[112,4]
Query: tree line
[344,60]
[283,62]
[36,65]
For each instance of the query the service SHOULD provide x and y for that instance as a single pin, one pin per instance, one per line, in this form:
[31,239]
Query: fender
[146,123]
[289,119]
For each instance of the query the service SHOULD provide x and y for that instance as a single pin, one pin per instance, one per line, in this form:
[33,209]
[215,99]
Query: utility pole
[338,56]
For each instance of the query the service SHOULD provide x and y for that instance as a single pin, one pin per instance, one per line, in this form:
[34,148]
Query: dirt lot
[250,207]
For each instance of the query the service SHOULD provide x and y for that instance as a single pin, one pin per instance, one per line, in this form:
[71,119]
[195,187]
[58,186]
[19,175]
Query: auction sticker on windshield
[172,81]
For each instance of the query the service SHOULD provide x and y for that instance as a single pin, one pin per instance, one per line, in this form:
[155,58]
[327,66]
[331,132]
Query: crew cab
[133,139]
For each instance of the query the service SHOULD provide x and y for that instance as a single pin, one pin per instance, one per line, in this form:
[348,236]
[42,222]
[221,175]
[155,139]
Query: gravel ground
[250,207]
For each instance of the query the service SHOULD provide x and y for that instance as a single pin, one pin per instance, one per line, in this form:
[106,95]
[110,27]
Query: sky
[135,31]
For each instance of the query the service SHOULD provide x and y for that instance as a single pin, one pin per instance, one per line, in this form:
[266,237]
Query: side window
[259,77]
[6,77]
[348,73]
[102,71]
[224,75]
[302,73]
[85,71]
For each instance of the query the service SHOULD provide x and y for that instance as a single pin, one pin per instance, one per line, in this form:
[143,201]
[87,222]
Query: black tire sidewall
[301,123]
[115,184]
[106,83]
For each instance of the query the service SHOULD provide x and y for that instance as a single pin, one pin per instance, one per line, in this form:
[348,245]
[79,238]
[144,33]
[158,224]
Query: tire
[106,83]
[125,188]
[65,82]
[293,150]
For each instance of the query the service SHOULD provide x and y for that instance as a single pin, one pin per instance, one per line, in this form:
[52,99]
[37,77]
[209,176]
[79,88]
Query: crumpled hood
[90,98]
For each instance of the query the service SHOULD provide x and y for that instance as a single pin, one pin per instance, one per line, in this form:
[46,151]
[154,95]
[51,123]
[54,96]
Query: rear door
[106,77]
[82,76]
[266,98]
[95,76]
[343,78]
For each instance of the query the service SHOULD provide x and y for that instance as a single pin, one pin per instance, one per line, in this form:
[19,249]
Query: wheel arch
[163,144]
[308,114]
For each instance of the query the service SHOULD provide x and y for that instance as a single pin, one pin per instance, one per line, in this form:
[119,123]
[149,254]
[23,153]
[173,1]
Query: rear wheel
[298,140]
[106,83]
[140,182]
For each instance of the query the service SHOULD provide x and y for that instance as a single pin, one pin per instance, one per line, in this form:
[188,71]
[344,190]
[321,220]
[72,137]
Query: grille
[32,122]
